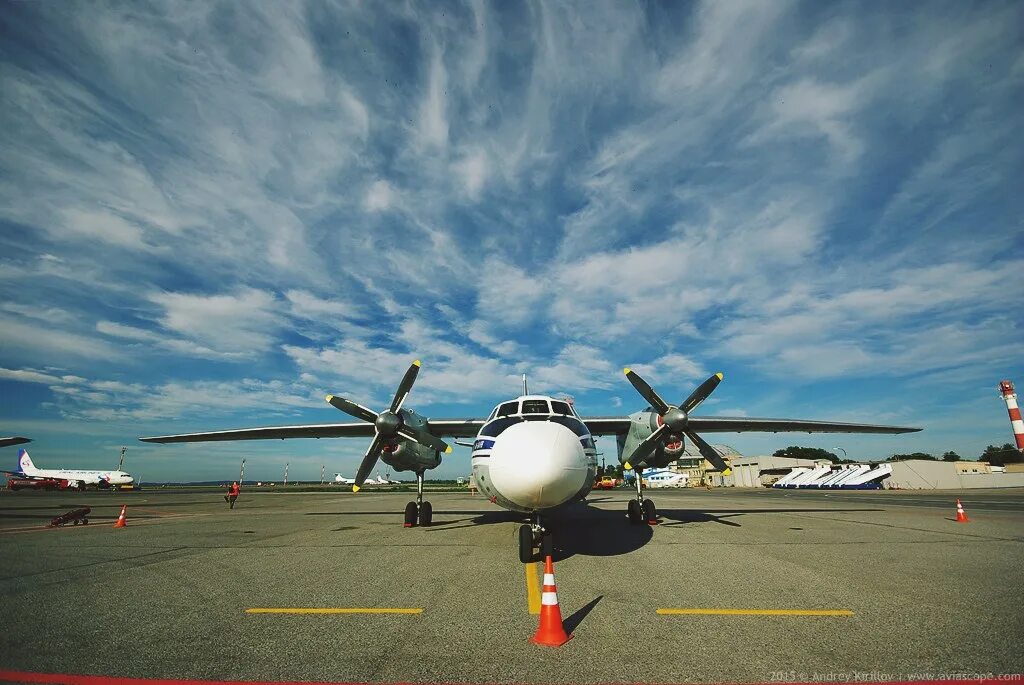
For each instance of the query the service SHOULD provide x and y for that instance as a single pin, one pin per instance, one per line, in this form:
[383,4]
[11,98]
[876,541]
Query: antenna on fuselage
[525,391]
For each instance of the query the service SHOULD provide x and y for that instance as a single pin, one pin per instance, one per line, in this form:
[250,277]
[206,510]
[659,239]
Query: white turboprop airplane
[75,478]
[338,478]
[532,453]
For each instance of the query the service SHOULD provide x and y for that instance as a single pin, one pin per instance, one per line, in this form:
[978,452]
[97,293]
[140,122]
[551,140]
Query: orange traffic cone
[122,520]
[550,633]
[961,516]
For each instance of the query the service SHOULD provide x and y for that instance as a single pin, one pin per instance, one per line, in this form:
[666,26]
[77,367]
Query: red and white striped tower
[1010,397]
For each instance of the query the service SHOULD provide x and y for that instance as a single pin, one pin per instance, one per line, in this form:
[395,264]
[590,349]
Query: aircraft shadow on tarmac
[591,531]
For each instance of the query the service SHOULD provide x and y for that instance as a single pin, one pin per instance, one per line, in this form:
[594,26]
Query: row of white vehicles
[831,477]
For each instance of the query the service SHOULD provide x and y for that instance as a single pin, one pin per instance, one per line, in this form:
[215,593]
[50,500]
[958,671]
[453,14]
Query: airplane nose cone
[537,464]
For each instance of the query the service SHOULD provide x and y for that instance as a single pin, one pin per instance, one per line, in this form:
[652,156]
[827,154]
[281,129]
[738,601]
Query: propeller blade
[405,386]
[647,446]
[709,453]
[352,409]
[701,393]
[369,461]
[424,438]
[646,391]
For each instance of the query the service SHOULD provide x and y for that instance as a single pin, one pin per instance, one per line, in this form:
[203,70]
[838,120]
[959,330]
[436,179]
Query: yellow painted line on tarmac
[332,610]
[532,588]
[755,612]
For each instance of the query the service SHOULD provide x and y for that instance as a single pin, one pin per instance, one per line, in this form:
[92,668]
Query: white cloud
[243,322]
[433,120]
[379,197]
[472,169]
[307,305]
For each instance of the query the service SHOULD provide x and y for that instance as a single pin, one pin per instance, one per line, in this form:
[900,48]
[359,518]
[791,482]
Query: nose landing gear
[419,511]
[641,510]
[530,534]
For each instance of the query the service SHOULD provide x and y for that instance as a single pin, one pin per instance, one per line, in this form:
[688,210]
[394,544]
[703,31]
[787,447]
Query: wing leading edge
[619,425]
[468,428]
[7,442]
[457,428]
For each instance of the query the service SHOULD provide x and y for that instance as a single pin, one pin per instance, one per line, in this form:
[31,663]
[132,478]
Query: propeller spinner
[675,419]
[387,425]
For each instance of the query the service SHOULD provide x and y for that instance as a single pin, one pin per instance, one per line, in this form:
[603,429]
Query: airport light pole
[322,467]
[241,474]
[285,474]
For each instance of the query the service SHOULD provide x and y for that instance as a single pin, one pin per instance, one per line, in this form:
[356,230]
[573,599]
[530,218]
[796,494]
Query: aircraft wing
[443,427]
[619,425]
[7,442]
[322,430]
[455,428]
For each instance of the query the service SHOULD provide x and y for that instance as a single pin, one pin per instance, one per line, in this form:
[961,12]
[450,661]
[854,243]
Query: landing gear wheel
[650,512]
[635,512]
[76,522]
[426,512]
[85,522]
[525,544]
[410,515]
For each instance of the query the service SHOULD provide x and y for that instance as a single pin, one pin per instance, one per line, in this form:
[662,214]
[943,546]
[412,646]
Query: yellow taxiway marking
[532,588]
[332,610]
[756,612]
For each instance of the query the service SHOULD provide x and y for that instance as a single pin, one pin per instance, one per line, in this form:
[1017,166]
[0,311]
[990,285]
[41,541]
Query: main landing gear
[419,511]
[530,534]
[641,510]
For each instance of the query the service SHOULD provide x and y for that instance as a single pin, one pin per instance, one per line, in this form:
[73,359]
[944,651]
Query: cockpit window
[560,408]
[535,407]
[498,426]
[508,409]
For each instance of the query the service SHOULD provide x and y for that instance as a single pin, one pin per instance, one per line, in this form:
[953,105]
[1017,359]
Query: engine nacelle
[406,455]
[642,424]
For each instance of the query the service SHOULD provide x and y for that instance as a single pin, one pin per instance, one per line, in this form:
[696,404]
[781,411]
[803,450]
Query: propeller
[388,425]
[675,420]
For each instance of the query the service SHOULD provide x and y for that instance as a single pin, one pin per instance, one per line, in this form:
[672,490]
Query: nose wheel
[418,512]
[641,510]
[532,535]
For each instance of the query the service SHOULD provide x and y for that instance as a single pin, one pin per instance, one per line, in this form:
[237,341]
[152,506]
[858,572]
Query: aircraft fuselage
[534,453]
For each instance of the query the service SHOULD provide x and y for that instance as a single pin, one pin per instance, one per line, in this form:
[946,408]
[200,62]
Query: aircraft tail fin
[25,464]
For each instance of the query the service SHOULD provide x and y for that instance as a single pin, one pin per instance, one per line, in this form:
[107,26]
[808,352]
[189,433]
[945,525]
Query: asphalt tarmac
[906,591]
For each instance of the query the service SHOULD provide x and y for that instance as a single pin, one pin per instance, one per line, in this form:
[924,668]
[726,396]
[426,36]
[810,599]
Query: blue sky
[211,215]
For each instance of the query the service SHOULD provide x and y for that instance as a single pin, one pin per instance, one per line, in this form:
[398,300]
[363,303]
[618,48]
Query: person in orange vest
[232,495]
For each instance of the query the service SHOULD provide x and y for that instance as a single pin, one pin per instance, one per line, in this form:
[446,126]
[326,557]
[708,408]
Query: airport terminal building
[912,474]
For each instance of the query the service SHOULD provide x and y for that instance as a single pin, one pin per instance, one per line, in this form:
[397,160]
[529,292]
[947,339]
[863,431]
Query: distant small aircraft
[533,453]
[75,478]
[664,478]
[338,478]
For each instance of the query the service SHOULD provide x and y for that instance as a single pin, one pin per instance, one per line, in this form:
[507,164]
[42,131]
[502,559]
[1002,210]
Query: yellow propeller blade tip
[720,375]
[626,370]
[416,362]
[726,472]
[448,450]
[627,466]
[329,398]
[355,488]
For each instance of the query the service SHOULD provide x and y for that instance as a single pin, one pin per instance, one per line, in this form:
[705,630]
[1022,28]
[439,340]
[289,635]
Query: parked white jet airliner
[535,452]
[75,478]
